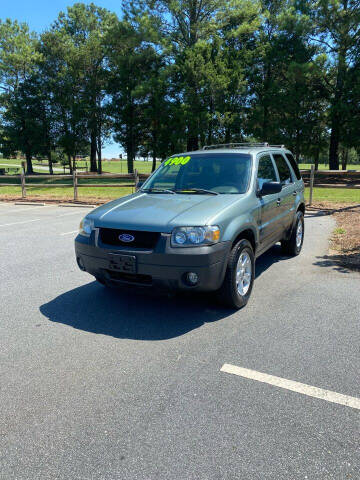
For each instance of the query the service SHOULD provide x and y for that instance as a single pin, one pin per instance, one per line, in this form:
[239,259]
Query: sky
[39,14]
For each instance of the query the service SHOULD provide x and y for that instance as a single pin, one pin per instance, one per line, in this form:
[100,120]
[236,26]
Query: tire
[229,293]
[293,246]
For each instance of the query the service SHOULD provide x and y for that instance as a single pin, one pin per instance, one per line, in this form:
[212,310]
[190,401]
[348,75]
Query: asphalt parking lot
[98,384]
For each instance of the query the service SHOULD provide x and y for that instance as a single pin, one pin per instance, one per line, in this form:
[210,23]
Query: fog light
[192,278]
[80,263]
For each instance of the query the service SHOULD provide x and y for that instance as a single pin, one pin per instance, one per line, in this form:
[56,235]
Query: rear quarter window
[283,169]
[294,165]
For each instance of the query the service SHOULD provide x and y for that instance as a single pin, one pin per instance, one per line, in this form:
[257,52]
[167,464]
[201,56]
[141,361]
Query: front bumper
[164,266]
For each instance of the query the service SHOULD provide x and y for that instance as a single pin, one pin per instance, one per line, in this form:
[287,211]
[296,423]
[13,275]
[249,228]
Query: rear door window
[294,165]
[283,169]
[266,171]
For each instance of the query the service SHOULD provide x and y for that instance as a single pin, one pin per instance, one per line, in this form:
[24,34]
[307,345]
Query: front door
[270,225]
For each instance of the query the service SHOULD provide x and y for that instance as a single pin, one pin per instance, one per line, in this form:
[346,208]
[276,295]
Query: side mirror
[269,188]
[139,185]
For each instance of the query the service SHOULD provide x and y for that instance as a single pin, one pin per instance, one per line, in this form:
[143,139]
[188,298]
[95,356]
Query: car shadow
[138,314]
[267,259]
[141,314]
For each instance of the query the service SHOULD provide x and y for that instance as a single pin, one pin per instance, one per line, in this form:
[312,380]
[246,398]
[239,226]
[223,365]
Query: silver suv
[199,222]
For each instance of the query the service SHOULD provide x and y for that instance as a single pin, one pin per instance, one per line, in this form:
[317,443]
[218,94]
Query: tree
[338,31]
[18,57]
[128,55]
[22,129]
[79,50]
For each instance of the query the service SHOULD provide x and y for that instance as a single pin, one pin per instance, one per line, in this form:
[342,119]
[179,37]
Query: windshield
[202,174]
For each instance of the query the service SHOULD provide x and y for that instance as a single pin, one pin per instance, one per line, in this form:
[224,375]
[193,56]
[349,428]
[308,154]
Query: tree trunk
[29,167]
[344,158]
[334,144]
[336,106]
[317,154]
[153,166]
[99,168]
[70,164]
[130,148]
[51,170]
[130,159]
[93,149]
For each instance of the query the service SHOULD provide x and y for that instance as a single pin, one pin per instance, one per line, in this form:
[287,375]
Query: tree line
[174,75]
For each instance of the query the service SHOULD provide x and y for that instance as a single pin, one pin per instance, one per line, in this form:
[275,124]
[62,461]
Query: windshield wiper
[157,190]
[197,190]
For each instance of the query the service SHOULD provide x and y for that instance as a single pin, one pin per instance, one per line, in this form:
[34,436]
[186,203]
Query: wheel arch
[249,234]
[301,208]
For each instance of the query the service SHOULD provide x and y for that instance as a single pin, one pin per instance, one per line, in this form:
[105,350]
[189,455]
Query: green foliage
[173,75]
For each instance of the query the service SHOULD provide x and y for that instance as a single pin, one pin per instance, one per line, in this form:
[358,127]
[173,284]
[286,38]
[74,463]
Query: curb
[31,203]
[75,205]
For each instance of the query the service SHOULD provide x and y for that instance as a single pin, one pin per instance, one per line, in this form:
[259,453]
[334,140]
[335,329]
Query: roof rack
[241,145]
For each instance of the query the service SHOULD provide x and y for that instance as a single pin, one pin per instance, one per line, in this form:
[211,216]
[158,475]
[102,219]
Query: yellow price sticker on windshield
[177,161]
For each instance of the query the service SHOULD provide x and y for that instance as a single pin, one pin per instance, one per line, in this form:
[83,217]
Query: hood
[160,212]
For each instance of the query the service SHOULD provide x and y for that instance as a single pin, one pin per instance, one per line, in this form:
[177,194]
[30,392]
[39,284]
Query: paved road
[96,384]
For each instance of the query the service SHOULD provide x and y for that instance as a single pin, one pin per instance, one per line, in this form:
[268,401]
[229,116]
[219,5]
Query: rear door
[270,223]
[288,193]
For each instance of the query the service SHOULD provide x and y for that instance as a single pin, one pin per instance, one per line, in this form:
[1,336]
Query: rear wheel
[239,277]
[294,245]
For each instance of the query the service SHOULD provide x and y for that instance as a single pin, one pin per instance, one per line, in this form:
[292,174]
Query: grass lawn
[340,195]
[97,194]
[102,194]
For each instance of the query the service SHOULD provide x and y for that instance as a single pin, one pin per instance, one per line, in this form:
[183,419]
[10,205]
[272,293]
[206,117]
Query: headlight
[192,236]
[86,226]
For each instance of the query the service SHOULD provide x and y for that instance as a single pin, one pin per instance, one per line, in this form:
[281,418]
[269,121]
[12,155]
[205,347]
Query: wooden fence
[330,179]
[312,179]
[132,178]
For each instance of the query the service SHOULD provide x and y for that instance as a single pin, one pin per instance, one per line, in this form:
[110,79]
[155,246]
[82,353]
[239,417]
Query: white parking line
[69,233]
[24,209]
[298,387]
[19,223]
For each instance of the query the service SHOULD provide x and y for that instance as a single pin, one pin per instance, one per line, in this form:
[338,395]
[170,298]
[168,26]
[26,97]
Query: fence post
[136,177]
[22,177]
[312,173]
[75,184]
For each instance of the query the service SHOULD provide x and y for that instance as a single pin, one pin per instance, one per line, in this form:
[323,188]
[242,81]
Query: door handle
[294,193]
[278,201]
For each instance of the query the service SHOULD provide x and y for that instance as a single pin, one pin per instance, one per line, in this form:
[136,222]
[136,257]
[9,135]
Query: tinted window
[293,165]
[283,169]
[266,171]
[221,173]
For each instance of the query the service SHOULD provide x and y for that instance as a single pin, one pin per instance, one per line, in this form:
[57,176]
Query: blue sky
[39,14]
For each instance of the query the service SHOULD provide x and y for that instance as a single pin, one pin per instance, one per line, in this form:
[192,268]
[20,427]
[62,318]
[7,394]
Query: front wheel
[294,245]
[239,277]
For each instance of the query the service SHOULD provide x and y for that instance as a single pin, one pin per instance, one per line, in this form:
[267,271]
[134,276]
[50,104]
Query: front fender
[239,224]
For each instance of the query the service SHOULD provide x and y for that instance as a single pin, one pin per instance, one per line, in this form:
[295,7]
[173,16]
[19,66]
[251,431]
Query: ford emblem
[126,238]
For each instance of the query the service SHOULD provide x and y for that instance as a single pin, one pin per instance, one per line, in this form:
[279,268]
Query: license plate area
[122,263]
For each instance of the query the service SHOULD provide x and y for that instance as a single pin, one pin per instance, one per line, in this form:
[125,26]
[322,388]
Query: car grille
[110,236]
